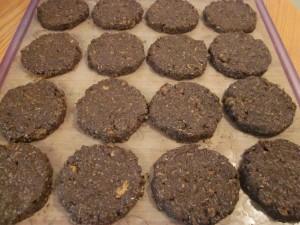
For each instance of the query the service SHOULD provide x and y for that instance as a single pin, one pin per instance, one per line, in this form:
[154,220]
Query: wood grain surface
[285,15]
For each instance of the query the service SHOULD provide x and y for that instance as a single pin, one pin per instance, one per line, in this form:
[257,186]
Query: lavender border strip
[16,41]
[285,60]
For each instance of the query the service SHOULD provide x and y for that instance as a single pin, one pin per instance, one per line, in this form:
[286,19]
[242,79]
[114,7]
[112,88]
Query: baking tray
[147,143]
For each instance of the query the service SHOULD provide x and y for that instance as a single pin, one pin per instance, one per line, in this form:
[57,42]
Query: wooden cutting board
[147,143]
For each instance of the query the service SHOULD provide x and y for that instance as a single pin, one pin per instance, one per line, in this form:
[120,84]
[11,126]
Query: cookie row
[236,55]
[100,184]
[112,110]
[169,16]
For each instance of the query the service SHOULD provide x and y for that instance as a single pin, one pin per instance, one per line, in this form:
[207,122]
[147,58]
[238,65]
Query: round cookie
[230,16]
[31,112]
[270,175]
[178,56]
[172,16]
[117,14]
[239,55]
[100,184]
[62,14]
[116,54]
[195,186]
[111,110]
[259,107]
[51,54]
[25,182]
[186,112]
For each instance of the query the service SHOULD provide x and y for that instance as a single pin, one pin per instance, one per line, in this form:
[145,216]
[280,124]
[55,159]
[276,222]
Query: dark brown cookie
[259,107]
[116,54]
[172,16]
[62,14]
[51,54]
[270,175]
[239,55]
[31,112]
[230,16]
[195,186]
[25,182]
[186,112]
[117,14]
[111,110]
[178,56]
[100,184]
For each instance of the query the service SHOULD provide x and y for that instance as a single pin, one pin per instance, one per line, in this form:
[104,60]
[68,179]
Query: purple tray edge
[284,57]
[17,40]
[286,62]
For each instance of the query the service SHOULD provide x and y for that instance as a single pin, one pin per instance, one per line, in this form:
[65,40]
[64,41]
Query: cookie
[100,184]
[62,14]
[51,54]
[25,182]
[178,57]
[111,110]
[230,16]
[117,14]
[270,175]
[186,112]
[239,55]
[31,112]
[116,54]
[259,107]
[172,16]
[195,186]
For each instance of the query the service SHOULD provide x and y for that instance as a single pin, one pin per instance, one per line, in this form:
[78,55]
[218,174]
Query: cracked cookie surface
[62,14]
[116,54]
[186,112]
[230,16]
[111,110]
[100,184]
[239,55]
[31,112]
[117,14]
[51,55]
[258,106]
[25,181]
[172,16]
[270,175]
[195,186]
[178,57]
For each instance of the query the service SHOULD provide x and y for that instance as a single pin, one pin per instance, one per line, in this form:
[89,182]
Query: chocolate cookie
[178,56]
[195,186]
[270,175]
[259,107]
[116,54]
[25,182]
[239,55]
[100,184]
[230,16]
[31,112]
[117,14]
[51,54]
[111,110]
[62,14]
[172,16]
[186,112]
